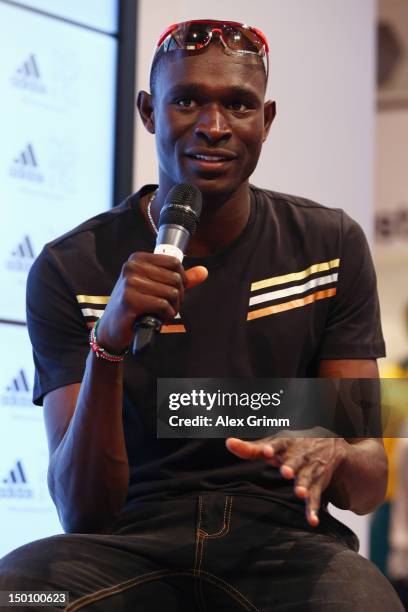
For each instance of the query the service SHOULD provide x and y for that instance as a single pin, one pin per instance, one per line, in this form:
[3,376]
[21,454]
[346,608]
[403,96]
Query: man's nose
[212,124]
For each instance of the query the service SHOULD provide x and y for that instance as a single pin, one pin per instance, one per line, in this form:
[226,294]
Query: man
[187,524]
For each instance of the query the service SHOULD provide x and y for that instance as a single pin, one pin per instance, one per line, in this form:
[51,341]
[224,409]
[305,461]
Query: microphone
[177,223]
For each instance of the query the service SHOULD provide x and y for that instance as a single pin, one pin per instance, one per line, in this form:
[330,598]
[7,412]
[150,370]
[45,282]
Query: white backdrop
[57,91]
[57,87]
[322,77]
[26,511]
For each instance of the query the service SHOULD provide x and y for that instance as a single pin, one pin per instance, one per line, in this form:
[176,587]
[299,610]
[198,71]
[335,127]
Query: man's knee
[359,584]
[28,566]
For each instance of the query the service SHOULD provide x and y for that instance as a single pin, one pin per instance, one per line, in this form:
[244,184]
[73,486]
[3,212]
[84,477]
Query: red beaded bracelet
[99,350]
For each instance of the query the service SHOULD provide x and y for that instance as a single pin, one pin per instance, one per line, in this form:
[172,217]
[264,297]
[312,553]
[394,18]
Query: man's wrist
[101,351]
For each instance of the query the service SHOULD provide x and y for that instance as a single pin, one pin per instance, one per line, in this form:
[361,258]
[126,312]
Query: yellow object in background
[389,444]
[393,370]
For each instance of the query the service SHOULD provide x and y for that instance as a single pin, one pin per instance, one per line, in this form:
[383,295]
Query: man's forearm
[360,481]
[89,473]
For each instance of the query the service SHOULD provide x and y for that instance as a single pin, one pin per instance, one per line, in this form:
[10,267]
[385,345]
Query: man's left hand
[310,461]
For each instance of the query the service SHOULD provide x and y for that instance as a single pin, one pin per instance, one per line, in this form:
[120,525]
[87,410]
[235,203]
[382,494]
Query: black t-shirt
[296,286]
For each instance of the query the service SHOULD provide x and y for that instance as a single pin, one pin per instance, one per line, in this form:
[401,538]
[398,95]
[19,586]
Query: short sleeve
[353,326]
[57,330]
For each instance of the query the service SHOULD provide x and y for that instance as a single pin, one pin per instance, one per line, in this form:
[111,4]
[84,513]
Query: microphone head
[182,207]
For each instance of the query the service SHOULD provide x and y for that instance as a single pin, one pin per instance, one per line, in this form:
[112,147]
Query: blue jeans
[207,552]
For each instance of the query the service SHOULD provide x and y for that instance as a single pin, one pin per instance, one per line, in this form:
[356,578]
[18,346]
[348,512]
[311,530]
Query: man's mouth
[210,161]
[210,158]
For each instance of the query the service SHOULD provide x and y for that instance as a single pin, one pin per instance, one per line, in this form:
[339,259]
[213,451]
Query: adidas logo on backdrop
[25,166]
[28,77]
[18,392]
[22,256]
[15,483]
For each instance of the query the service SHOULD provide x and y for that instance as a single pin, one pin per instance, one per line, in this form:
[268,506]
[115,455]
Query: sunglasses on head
[237,38]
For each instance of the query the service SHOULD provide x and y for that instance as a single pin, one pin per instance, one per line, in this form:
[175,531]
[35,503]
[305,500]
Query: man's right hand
[148,284]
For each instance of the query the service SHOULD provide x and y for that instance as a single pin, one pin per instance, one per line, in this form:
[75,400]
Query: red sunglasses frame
[174,26]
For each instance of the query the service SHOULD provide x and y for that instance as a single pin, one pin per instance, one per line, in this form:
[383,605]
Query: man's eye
[238,106]
[185,102]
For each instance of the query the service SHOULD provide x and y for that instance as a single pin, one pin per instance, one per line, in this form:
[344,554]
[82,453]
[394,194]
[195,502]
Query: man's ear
[146,110]
[269,116]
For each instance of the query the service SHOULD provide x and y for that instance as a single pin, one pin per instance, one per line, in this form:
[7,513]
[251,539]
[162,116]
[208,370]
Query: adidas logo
[18,391]
[16,476]
[27,157]
[24,249]
[29,68]
[27,76]
[15,483]
[22,256]
[19,383]
[25,166]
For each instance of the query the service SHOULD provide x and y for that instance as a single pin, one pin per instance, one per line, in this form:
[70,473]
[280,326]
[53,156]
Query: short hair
[154,70]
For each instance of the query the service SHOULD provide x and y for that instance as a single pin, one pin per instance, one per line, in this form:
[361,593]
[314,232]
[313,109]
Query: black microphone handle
[145,328]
